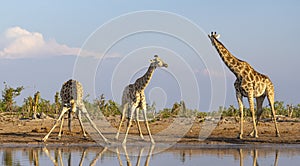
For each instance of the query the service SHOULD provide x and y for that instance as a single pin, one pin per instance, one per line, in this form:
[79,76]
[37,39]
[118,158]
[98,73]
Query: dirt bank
[15,131]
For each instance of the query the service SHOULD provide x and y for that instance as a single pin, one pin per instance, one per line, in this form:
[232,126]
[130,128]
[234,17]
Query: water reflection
[140,149]
[254,156]
[151,155]
[58,160]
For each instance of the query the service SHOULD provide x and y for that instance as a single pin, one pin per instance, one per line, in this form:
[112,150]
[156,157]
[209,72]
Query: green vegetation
[8,95]
[102,107]
[108,108]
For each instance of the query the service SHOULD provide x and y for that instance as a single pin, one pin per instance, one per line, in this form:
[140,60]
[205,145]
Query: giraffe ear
[218,35]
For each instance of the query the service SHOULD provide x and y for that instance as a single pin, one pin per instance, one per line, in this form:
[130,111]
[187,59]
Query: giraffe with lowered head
[71,94]
[249,83]
[134,98]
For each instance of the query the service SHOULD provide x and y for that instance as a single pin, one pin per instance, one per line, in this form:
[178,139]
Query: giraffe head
[157,62]
[213,36]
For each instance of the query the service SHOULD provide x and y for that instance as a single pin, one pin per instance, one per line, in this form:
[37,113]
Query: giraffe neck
[142,82]
[233,63]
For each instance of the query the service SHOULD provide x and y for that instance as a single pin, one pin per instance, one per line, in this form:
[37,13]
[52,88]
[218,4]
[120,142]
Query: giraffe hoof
[58,138]
[107,142]
[251,134]
[142,137]
[277,135]
[240,136]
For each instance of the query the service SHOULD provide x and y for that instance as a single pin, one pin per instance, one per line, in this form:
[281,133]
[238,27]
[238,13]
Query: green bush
[165,113]
[108,108]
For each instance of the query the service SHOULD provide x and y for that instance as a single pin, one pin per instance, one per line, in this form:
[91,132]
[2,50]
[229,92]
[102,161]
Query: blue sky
[263,33]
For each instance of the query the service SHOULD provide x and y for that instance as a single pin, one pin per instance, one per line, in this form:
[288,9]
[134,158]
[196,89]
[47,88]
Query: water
[152,155]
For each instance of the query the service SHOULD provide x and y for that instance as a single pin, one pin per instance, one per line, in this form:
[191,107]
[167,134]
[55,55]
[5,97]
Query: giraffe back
[71,92]
[129,94]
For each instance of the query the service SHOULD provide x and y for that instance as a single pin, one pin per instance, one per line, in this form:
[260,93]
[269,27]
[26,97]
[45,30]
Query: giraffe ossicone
[134,99]
[71,94]
[249,83]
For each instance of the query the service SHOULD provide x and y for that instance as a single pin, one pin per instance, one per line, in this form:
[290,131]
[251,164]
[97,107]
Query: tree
[57,103]
[108,108]
[279,108]
[9,94]
[27,106]
[36,99]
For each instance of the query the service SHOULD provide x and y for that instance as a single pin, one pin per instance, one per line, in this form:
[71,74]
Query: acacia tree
[8,95]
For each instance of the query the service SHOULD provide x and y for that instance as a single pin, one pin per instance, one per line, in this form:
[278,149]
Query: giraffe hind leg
[259,103]
[270,97]
[138,122]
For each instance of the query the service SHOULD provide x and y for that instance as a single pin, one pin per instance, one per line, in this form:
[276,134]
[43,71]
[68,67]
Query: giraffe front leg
[125,107]
[81,124]
[147,126]
[129,123]
[70,120]
[60,128]
[64,110]
[94,125]
[251,104]
[241,107]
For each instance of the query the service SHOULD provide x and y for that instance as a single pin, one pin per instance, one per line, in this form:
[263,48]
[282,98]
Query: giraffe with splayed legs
[249,83]
[71,95]
[134,99]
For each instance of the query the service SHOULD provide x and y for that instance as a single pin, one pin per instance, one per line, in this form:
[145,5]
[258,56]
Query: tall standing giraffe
[71,95]
[134,98]
[249,83]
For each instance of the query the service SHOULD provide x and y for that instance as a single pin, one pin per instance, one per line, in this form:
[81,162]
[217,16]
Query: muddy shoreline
[28,133]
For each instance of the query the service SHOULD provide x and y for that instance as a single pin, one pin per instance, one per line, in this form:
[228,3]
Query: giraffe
[134,99]
[249,83]
[71,95]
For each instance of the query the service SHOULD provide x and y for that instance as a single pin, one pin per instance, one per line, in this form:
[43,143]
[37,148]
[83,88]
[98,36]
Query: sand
[14,131]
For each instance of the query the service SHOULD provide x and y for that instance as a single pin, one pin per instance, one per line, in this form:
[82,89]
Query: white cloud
[20,43]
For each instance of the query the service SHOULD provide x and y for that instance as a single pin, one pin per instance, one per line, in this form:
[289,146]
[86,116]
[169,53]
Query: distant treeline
[33,105]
